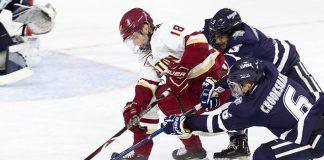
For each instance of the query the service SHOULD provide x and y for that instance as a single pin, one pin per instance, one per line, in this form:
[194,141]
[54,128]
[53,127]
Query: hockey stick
[116,156]
[134,121]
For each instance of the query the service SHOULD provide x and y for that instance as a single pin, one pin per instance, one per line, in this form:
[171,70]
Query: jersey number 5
[176,30]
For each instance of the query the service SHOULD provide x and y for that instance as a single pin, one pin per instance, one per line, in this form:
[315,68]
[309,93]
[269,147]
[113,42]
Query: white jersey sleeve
[147,71]
[168,38]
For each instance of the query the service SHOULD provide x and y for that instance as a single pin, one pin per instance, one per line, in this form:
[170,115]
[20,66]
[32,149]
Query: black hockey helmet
[224,22]
[245,70]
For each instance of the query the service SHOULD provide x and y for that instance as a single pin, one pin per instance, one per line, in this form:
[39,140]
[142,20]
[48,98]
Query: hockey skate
[183,154]
[237,150]
[130,156]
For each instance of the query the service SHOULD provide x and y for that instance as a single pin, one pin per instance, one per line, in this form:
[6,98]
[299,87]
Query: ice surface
[73,102]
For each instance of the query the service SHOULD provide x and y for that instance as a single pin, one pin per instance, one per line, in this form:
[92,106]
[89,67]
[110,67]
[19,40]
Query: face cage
[137,49]
[236,89]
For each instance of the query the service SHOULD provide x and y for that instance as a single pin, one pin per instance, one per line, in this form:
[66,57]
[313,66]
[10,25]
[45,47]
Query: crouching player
[265,97]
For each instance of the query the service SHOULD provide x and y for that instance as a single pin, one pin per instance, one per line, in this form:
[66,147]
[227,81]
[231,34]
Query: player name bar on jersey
[274,94]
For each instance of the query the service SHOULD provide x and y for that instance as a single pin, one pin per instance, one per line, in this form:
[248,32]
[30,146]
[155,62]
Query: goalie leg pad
[3,59]
[15,62]
[5,39]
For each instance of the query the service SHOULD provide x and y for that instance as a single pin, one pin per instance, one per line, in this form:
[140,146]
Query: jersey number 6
[297,106]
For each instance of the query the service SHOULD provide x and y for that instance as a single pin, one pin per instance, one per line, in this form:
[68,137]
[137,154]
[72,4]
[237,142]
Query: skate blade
[200,159]
[239,158]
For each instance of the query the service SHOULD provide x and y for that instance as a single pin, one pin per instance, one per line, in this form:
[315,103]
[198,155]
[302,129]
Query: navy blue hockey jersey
[250,42]
[277,103]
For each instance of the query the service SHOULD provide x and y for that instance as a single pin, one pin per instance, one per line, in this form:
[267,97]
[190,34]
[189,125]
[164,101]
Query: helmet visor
[236,89]
[138,42]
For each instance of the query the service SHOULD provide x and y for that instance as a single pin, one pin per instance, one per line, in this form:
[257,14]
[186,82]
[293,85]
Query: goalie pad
[28,47]
[15,70]
[39,19]
[15,76]
[5,42]
[4,3]
[5,39]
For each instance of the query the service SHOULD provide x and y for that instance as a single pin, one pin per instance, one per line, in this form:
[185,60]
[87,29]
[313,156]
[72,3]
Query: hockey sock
[191,143]
[146,148]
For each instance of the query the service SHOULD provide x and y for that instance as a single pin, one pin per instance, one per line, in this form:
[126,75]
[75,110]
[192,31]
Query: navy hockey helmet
[245,70]
[224,22]
[133,20]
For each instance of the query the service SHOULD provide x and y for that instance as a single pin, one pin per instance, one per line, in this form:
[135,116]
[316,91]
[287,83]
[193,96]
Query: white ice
[73,102]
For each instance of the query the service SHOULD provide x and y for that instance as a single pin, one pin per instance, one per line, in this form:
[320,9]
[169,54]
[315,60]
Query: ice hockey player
[236,39]
[269,99]
[183,59]
[18,50]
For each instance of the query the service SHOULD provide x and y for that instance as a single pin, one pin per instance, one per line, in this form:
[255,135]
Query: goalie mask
[131,30]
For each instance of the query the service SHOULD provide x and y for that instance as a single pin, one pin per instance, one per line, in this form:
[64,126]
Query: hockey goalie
[20,23]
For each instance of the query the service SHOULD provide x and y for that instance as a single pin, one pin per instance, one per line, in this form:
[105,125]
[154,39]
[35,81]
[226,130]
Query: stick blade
[15,76]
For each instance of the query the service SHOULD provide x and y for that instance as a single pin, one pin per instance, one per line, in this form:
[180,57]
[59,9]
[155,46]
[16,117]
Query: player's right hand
[209,96]
[130,111]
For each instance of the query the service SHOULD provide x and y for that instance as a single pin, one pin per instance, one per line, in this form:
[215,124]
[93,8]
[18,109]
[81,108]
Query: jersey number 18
[176,30]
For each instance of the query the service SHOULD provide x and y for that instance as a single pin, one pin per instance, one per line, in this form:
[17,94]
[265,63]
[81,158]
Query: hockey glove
[130,111]
[177,78]
[209,95]
[174,125]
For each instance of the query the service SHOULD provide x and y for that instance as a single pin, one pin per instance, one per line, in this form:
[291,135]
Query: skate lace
[129,155]
[181,151]
[230,146]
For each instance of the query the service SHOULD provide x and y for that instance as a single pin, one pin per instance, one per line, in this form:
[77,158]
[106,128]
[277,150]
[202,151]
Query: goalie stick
[116,156]
[15,76]
[129,125]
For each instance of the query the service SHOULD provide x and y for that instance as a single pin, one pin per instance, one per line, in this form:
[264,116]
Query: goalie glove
[39,19]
